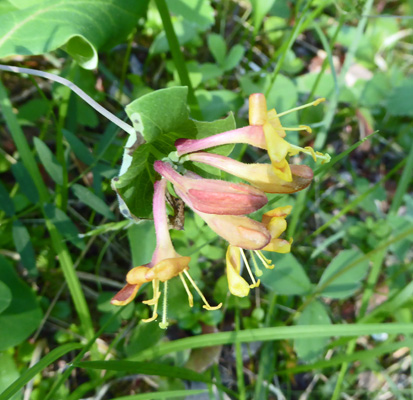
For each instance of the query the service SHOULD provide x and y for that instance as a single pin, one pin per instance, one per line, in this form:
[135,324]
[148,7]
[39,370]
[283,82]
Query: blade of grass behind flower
[333,101]
[29,374]
[271,334]
[58,243]
[171,394]
[357,200]
[178,57]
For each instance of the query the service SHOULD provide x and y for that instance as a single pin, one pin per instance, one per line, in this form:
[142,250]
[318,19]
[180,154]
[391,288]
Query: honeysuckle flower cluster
[224,205]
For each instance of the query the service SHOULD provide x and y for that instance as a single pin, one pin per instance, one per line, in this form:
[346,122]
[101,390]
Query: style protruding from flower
[166,264]
[266,132]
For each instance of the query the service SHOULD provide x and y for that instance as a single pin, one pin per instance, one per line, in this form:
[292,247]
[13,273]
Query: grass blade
[38,367]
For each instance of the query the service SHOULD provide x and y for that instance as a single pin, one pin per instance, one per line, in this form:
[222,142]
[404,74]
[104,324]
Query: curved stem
[111,117]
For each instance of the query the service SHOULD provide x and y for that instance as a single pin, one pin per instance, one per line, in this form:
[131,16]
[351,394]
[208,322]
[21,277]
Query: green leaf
[142,242]
[288,277]
[339,282]
[5,296]
[91,200]
[170,394]
[25,181]
[185,32]
[234,57]
[162,117]
[28,375]
[218,47]
[82,27]
[77,146]
[24,247]
[8,373]
[6,203]
[216,103]
[260,9]
[399,102]
[199,13]
[49,161]
[23,315]
[64,225]
[310,349]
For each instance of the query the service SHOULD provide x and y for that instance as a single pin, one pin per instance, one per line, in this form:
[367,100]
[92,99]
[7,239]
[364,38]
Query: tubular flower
[166,263]
[275,223]
[261,176]
[265,131]
[212,196]
[238,230]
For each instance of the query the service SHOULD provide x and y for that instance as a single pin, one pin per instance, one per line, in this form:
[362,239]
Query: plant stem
[178,57]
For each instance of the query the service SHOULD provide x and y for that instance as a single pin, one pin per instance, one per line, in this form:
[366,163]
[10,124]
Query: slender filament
[206,305]
[247,266]
[188,292]
[313,103]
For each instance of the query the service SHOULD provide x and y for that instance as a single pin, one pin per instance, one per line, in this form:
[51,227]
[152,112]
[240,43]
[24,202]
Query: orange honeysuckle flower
[265,131]
[238,230]
[213,196]
[166,263]
[261,176]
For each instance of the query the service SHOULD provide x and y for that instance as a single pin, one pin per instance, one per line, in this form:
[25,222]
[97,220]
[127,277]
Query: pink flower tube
[212,196]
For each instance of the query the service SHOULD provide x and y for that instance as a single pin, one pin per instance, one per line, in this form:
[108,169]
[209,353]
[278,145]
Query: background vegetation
[332,320]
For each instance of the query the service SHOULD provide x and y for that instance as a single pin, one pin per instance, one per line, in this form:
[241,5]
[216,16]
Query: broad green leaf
[162,117]
[8,373]
[77,146]
[90,199]
[25,181]
[216,103]
[217,47]
[199,13]
[399,101]
[260,9]
[64,225]
[49,161]
[23,315]
[24,247]
[288,276]
[146,368]
[6,204]
[184,30]
[82,27]
[338,281]
[5,296]
[145,335]
[28,375]
[234,57]
[310,349]
[142,242]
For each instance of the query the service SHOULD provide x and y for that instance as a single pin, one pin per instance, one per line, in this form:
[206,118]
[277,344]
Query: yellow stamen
[206,305]
[156,295]
[313,103]
[267,263]
[299,128]
[247,266]
[257,270]
[164,324]
[188,292]
[310,151]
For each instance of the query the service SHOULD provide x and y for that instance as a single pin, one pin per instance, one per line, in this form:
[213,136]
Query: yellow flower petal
[237,285]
